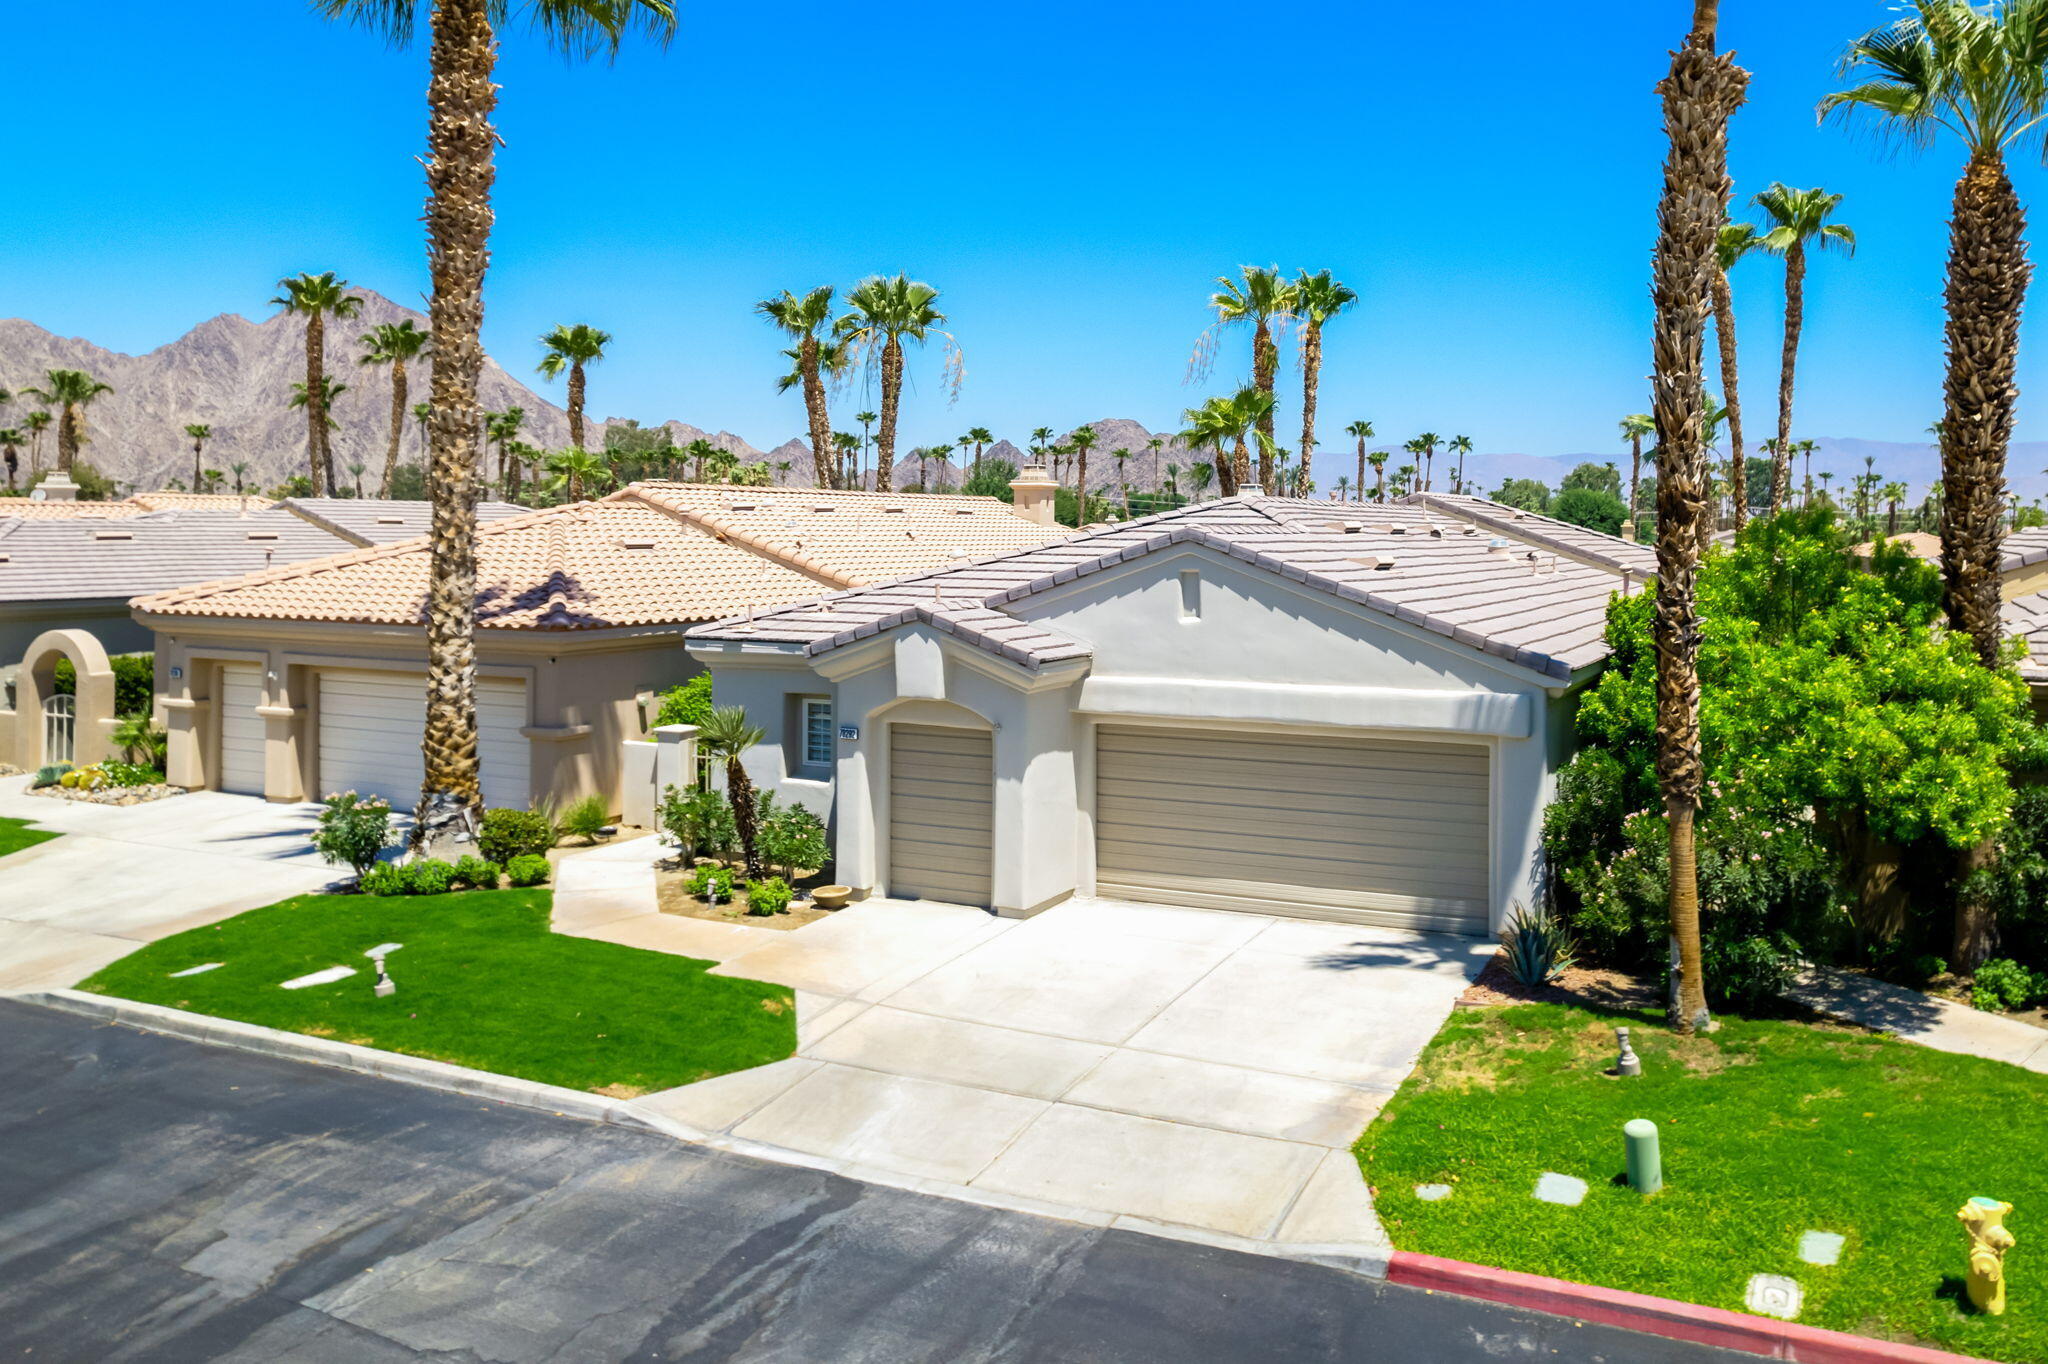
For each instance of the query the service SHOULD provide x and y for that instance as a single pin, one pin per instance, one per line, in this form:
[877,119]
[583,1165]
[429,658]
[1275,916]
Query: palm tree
[1082,441]
[1378,460]
[1425,445]
[978,436]
[726,736]
[315,297]
[1361,431]
[11,441]
[1228,422]
[320,395]
[1122,456]
[1827,498]
[700,451]
[393,344]
[1173,478]
[577,469]
[239,468]
[1343,487]
[1797,216]
[1404,478]
[35,423]
[1701,91]
[502,430]
[845,445]
[572,348]
[1317,299]
[883,314]
[1201,476]
[943,454]
[1463,446]
[423,413]
[355,470]
[198,433]
[1731,244]
[1265,300]
[806,319]
[866,420]
[1805,448]
[70,391]
[1634,427]
[1041,436]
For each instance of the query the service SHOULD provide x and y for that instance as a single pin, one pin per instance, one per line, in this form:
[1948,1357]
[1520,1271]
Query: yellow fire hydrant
[1983,1220]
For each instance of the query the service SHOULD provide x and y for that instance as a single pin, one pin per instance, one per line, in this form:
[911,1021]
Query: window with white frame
[819,749]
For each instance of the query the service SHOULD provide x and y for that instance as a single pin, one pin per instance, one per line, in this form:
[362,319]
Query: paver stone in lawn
[1773,1295]
[1565,1190]
[1821,1247]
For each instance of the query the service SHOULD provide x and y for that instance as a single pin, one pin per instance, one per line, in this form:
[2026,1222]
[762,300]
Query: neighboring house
[310,679]
[2023,582]
[173,500]
[1329,710]
[379,521]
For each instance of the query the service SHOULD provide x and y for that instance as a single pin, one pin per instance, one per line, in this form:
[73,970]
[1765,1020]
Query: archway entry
[50,727]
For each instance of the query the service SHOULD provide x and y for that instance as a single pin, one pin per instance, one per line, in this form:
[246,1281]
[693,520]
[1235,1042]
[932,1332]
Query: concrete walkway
[1182,1071]
[1937,1023]
[122,876]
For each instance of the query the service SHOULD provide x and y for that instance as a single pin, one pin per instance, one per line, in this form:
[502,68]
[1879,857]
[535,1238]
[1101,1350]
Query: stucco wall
[105,619]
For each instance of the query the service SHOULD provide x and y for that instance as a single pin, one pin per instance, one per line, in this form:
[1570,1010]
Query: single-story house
[1323,709]
[309,679]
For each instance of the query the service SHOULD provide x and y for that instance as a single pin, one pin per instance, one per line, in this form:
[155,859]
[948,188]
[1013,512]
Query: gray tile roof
[381,521]
[1517,594]
[1593,546]
[2027,618]
[2023,548]
[68,559]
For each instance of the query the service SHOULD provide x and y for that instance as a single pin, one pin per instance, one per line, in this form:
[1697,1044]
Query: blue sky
[1071,176]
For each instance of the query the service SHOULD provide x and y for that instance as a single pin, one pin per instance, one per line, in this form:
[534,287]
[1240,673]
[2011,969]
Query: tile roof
[28,509]
[381,521]
[2027,618]
[65,558]
[851,537]
[173,500]
[1917,543]
[1514,594]
[1581,542]
[588,565]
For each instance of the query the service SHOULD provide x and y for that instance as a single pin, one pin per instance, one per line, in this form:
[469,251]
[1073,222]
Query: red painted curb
[1657,1316]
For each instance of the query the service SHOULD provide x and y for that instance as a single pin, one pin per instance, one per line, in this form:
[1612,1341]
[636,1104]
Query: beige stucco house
[1331,710]
[309,679]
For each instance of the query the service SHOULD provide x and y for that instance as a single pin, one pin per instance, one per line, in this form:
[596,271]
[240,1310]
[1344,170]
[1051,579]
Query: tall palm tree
[423,413]
[1172,479]
[1634,427]
[35,423]
[1201,475]
[1378,460]
[978,437]
[1041,436]
[1265,300]
[1361,431]
[393,344]
[11,441]
[502,430]
[1462,446]
[461,150]
[1805,449]
[867,421]
[1731,244]
[1343,488]
[808,319]
[578,471]
[1210,427]
[727,735]
[1976,73]
[1702,90]
[573,349]
[1317,299]
[846,445]
[1122,456]
[198,433]
[239,469]
[882,314]
[70,391]
[315,298]
[701,452]
[1797,217]
[1082,441]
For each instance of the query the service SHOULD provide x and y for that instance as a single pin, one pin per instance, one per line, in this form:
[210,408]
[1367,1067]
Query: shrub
[686,704]
[700,821]
[1592,508]
[477,873]
[383,879]
[793,839]
[140,740]
[49,775]
[768,897]
[709,883]
[88,778]
[1538,948]
[2003,984]
[353,830]
[507,834]
[528,869]
[131,774]
[134,681]
[586,818]
[429,877]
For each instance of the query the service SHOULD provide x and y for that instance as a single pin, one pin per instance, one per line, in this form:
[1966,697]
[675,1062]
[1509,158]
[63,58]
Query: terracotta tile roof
[27,509]
[1918,543]
[381,521]
[71,558]
[177,501]
[589,565]
[1512,595]
[851,537]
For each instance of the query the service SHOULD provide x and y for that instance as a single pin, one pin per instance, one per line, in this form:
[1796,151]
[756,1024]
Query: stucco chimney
[1034,489]
[58,487]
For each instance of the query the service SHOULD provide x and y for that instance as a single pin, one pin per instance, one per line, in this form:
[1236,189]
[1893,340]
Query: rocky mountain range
[235,375]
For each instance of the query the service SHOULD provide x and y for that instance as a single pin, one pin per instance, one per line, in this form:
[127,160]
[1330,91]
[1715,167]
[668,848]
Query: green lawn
[16,834]
[1769,1129]
[481,982]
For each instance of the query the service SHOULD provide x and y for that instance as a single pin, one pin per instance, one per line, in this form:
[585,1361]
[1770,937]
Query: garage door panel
[1375,831]
[241,729]
[371,725]
[941,814]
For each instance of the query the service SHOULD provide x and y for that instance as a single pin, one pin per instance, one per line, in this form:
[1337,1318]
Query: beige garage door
[941,814]
[370,729]
[241,729]
[1366,831]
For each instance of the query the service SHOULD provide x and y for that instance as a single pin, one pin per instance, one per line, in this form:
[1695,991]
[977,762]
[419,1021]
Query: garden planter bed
[673,898]
[112,795]
[1584,986]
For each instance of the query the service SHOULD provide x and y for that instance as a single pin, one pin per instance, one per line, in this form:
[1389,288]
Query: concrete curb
[1657,1316]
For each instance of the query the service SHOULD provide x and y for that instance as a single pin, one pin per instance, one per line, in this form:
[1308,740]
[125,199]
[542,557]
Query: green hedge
[134,681]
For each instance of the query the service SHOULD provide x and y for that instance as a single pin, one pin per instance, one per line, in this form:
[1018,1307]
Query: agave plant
[1538,948]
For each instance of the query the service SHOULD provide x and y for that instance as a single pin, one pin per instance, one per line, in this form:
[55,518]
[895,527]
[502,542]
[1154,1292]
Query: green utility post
[1645,1163]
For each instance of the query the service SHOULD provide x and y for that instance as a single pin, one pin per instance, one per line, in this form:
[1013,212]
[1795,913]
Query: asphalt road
[161,1200]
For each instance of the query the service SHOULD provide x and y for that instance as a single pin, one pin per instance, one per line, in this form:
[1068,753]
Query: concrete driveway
[122,876]
[1143,1066]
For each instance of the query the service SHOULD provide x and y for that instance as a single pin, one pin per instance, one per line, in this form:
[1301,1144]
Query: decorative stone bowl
[831,897]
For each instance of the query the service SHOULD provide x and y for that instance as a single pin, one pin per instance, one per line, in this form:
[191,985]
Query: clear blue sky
[1070,175]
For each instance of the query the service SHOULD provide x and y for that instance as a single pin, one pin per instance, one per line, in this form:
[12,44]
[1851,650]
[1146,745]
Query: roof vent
[113,535]
[821,506]
[743,506]
[1436,532]
[636,544]
[1376,562]
[1497,547]
[1397,529]
[262,535]
[1353,527]
[897,509]
[390,520]
[963,511]
[1469,530]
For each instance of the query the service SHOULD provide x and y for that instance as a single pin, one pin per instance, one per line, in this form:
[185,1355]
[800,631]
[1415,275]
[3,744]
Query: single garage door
[370,729]
[1360,830]
[941,814]
[241,729]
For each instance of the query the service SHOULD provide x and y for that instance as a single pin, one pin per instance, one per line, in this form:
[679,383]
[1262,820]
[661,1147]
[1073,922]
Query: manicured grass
[1769,1129]
[16,834]
[481,982]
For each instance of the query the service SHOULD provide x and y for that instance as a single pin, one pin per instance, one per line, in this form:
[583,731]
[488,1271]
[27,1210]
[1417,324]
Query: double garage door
[1360,830]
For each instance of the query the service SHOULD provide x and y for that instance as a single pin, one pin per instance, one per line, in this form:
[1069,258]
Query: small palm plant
[726,734]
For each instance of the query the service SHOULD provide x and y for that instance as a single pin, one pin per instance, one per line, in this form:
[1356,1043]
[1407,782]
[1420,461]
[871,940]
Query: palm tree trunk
[196,462]
[461,145]
[67,437]
[1987,284]
[1379,483]
[1311,376]
[1265,369]
[316,402]
[1241,466]
[814,408]
[576,404]
[1361,469]
[1635,481]
[1226,475]
[1795,313]
[739,792]
[398,410]
[1724,335]
[1699,94]
[892,393]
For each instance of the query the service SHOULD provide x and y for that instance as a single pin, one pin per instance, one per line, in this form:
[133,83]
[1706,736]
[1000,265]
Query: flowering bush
[353,830]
